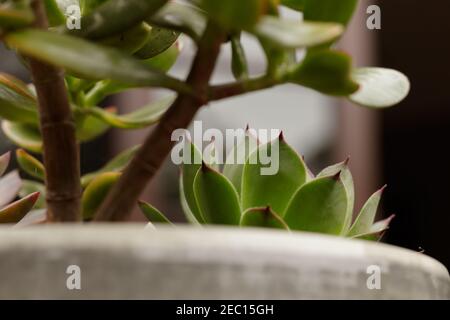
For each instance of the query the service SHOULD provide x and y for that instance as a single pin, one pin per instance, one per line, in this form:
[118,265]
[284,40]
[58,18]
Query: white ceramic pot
[131,262]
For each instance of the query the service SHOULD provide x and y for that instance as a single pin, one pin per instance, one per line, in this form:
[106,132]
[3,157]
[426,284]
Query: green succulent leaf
[114,16]
[377,230]
[89,60]
[166,60]
[130,40]
[329,10]
[264,218]
[88,6]
[23,135]
[379,87]
[319,206]
[347,180]
[211,156]
[4,162]
[117,164]
[15,14]
[152,214]
[160,39]
[293,34]
[10,186]
[325,71]
[17,210]
[90,127]
[184,204]
[55,16]
[30,164]
[143,117]
[236,159]
[294,4]
[366,217]
[239,65]
[262,187]
[29,187]
[96,192]
[216,197]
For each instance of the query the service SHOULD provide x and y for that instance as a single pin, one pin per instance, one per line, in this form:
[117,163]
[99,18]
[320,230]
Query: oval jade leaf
[96,192]
[89,60]
[19,209]
[264,218]
[30,164]
[236,159]
[191,165]
[274,187]
[366,217]
[159,40]
[347,180]
[23,135]
[10,186]
[318,206]
[143,117]
[379,87]
[216,197]
[4,162]
[130,40]
[293,34]
[152,214]
[114,16]
[167,59]
[326,71]
[117,164]
[89,127]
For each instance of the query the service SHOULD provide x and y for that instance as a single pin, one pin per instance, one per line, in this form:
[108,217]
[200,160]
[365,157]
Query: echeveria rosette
[10,187]
[292,199]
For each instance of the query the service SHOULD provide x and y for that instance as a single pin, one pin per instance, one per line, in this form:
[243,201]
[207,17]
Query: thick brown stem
[157,146]
[61,155]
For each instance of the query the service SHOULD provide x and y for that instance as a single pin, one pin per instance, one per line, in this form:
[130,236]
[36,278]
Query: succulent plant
[291,199]
[10,187]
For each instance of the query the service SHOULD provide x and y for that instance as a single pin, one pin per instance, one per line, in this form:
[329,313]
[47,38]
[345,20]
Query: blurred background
[404,147]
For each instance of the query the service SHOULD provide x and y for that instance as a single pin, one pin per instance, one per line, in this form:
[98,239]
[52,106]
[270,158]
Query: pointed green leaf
[216,197]
[211,156]
[144,117]
[114,16]
[366,217]
[4,162]
[96,192]
[262,217]
[153,215]
[30,164]
[10,185]
[23,135]
[88,60]
[160,40]
[190,217]
[236,159]
[347,180]
[191,165]
[326,71]
[377,230]
[379,87]
[293,34]
[117,164]
[318,206]
[17,210]
[29,187]
[329,10]
[275,187]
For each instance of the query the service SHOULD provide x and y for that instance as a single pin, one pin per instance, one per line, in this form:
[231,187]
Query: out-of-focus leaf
[89,60]
[29,187]
[294,4]
[292,34]
[326,71]
[216,197]
[159,40]
[318,206]
[55,16]
[30,164]
[23,135]
[181,17]
[96,192]
[4,162]
[141,118]
[379,87]
[10,185]
[15,14]
[366,217]
[131,40]
[347,180]
[114,16]
[17,210]
[17,86]
[153,215]
[117,164]
[236,159]
[264,218]
[239,65]
[275,187]
[87,6]
[329,10]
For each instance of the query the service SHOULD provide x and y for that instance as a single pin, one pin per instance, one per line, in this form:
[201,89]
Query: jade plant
[80,52]
[292,199]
